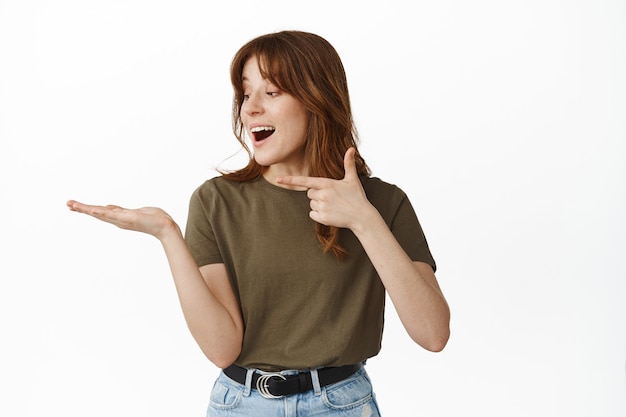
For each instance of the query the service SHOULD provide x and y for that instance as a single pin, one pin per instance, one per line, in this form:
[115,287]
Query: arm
[412,286]
[206,297]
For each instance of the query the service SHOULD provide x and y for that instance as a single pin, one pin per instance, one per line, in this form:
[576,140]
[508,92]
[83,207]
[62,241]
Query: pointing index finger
[301,181]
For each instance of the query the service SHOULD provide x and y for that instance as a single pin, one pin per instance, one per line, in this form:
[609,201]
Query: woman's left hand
[412,286]
[339,203]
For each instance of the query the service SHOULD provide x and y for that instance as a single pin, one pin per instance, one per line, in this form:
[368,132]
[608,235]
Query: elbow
[222,351]
[439,333]
[437,342]
[221,363]
[222,360]
[222,355]
[432,338]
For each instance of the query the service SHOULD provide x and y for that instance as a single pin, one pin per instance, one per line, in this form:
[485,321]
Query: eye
[246,97]
[272,93]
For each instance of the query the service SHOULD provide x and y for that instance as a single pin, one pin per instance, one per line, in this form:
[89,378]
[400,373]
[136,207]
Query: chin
[266,157]
[263,161]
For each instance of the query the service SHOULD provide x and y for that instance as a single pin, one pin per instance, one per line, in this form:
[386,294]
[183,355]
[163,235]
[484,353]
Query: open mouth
[260,133]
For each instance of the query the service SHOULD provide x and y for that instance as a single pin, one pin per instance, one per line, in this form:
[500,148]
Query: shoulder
[218,186]
[389,199]
[376,188]
[223,193]
[210,192]
[217,183]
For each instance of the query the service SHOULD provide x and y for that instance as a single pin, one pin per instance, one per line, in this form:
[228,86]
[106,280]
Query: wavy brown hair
[309,68]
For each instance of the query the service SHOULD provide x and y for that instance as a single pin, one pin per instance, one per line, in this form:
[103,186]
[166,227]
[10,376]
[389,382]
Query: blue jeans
[351,397]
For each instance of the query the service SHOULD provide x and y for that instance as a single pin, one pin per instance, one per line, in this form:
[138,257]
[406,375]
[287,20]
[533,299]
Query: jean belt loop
[249,373]
[316,382]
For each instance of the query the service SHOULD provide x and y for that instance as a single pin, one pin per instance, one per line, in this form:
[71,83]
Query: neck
[275,171]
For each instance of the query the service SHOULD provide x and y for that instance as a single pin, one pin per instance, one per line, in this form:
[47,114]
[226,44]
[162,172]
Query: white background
[505,122]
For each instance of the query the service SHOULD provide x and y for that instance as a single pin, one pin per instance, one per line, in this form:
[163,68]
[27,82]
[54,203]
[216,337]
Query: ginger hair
[309,68]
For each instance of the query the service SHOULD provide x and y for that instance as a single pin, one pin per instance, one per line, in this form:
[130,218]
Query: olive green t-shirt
[302,308]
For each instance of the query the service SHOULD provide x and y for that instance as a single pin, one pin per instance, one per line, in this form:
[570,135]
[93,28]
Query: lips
[260,133]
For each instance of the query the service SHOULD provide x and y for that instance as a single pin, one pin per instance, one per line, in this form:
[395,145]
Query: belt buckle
[262,385]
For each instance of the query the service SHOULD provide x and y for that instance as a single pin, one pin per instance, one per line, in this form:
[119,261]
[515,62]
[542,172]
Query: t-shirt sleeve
[407,229]
[199,233]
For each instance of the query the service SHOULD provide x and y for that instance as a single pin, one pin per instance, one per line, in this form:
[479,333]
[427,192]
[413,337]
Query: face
[276,122]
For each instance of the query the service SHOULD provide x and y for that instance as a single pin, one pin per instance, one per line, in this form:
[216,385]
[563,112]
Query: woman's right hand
[151,220]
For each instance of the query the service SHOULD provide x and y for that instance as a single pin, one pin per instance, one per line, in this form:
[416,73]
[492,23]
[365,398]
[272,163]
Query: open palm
[150,220]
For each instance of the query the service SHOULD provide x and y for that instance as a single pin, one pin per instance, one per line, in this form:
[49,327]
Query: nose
[253,105]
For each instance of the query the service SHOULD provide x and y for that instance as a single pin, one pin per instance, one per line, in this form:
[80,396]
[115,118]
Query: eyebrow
[266,80]
[245,80]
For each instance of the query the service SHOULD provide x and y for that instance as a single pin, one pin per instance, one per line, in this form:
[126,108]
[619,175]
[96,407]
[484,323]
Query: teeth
[262,128]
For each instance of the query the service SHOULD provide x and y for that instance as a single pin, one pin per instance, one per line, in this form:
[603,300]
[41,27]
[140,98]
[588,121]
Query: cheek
[299,130]
[301,120]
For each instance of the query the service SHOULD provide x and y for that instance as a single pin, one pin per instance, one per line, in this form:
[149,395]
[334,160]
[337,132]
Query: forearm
[413,290]
[216,331]
[211,311]
[412,287]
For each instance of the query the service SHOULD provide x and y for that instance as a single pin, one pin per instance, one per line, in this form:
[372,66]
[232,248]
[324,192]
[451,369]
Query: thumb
[349,164]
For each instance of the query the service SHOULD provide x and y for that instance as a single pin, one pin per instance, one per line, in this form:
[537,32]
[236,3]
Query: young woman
[284,265]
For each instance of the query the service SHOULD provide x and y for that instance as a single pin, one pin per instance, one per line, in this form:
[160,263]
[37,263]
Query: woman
[284,265]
